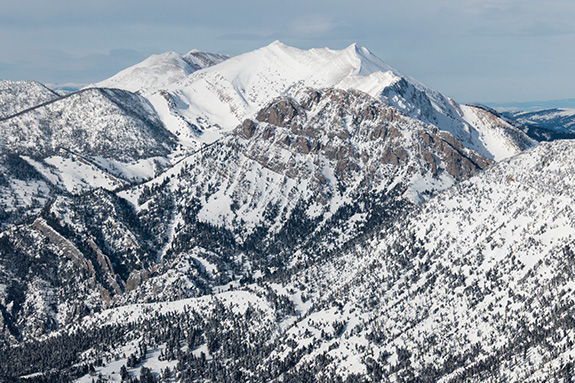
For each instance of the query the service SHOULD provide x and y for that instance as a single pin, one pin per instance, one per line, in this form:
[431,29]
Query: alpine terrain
[283,215]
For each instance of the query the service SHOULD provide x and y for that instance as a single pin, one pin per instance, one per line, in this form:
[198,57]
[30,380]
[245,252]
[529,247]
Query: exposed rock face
[280,113]
[136,278]
[68,249]
[459,163]
[338,125]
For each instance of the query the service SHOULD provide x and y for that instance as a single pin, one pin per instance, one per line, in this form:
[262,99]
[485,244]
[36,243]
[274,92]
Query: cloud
[519,18]
[520,28]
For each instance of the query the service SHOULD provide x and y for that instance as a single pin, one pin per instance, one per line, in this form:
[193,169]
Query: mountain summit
[201,105]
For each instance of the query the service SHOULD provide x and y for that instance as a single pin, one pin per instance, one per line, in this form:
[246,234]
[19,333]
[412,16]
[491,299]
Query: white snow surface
[158,71]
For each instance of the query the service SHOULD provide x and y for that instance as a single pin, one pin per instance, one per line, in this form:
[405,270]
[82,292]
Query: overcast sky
[471,50]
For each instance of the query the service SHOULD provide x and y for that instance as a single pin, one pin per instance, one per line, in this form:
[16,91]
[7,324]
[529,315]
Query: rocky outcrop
[68,249]
[280,113]
[354,130]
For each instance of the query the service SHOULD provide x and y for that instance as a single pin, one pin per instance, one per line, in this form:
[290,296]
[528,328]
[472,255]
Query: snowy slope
[304,178]
[110,123]
[23,190]
[16,96]
[474,285]
[158,71]
[209,102]
[336,220]
[319,146]
[307,176]
[91,139]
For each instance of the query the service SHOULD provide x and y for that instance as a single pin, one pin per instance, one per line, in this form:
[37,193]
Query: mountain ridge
[283,215]
[207,103]
[20,95]
[157,71]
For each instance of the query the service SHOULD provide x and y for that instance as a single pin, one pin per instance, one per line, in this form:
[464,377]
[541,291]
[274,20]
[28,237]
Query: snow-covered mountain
[208,102]
[304,178]
[95,138]
[283,215]
[159,71]
[95,122]
[475,285]
[556,120]
[307,176]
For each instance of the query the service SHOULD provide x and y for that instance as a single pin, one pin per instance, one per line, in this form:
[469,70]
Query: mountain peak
[276,43]
[160,70]
[354,51]
[357,49]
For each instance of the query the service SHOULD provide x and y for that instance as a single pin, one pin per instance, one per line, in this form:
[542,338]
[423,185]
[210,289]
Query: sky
[470,50]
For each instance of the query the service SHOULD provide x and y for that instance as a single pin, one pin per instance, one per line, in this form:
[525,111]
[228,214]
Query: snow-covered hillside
[557,120]
[476,284]
[74,144]
[105,122]
[294,178]
[16,96]
[158,71]
[306,177]
[23,190]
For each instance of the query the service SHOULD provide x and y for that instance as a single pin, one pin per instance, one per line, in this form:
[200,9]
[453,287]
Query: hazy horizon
[474,51]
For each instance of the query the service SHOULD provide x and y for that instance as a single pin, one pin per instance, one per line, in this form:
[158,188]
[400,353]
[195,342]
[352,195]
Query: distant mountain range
[531,106]
[546,124]
[284,215]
